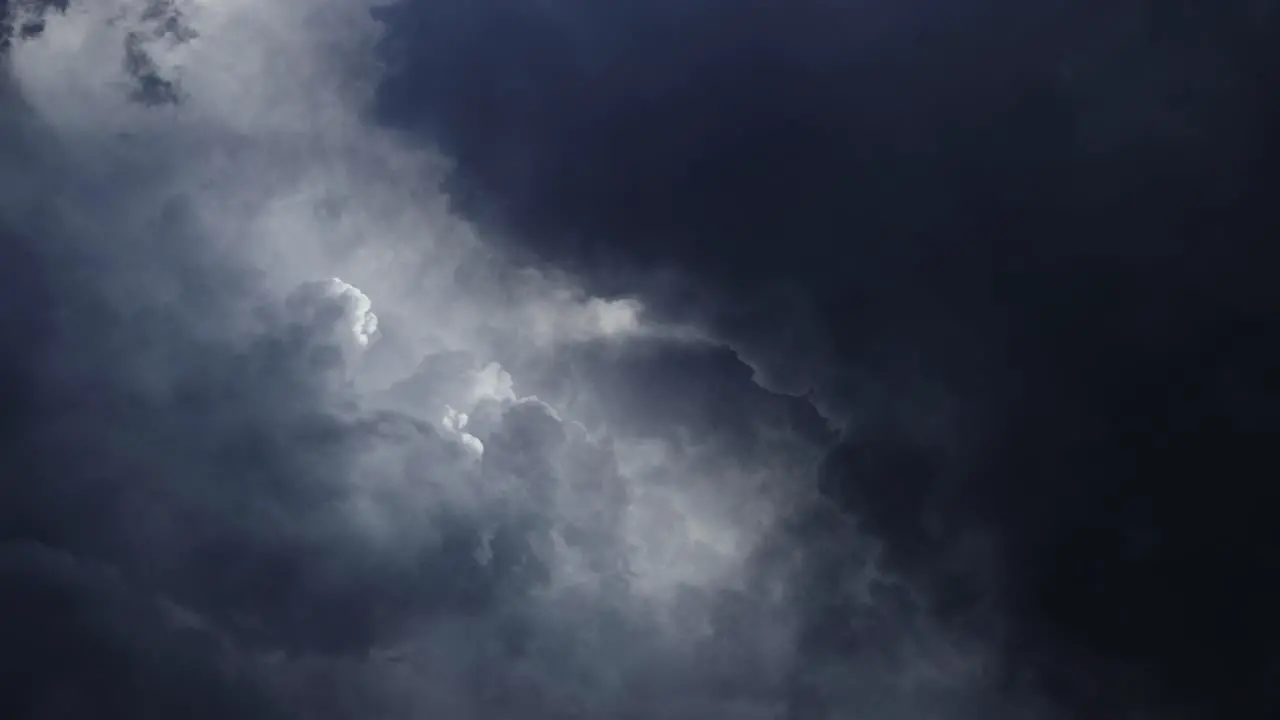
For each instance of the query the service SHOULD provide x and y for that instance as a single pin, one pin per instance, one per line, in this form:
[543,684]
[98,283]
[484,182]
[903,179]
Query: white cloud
[333,301]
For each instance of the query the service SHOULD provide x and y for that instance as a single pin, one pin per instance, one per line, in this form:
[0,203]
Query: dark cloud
[1017,253]
[83,642]
[1019,250]
[164,22]
[24,19]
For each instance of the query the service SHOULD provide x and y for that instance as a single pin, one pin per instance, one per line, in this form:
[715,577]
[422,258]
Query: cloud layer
[556,359]
[285,437]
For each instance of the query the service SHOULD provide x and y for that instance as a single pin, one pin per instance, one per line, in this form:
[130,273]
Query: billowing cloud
[288,436]
[566,359]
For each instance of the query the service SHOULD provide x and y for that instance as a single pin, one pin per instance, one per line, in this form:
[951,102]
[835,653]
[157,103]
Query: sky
[543,359]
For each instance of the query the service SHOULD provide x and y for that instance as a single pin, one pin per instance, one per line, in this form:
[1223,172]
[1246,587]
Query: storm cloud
[559,359]
[1018,253]
[274,442]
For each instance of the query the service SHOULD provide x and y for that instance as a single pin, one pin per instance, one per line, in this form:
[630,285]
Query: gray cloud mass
[369,359]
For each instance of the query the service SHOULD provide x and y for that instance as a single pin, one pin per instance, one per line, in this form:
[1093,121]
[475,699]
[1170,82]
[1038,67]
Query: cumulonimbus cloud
[344,497]
[293,428]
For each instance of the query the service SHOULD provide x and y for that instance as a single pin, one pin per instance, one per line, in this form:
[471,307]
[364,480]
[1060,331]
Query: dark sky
[704,359]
